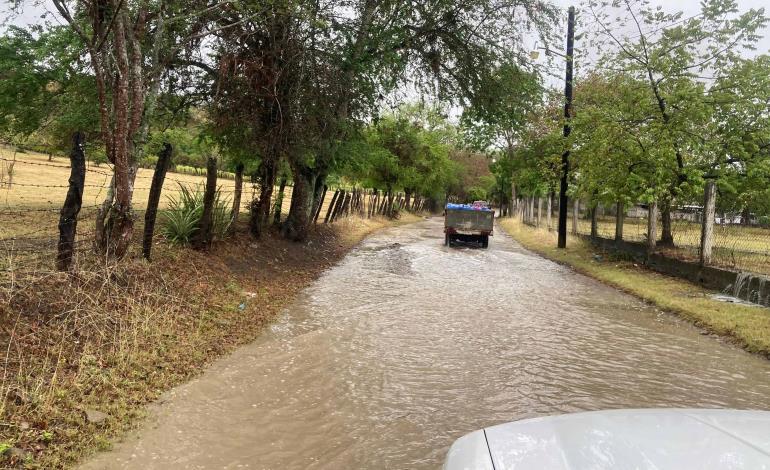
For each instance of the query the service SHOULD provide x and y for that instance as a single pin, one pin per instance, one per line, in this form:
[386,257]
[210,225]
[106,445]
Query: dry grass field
[29,205]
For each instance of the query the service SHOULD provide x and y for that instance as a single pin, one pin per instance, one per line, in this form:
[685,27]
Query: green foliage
[662,111]
[181,219]
[190,146]
[407,151]
[96,154]
[46,90]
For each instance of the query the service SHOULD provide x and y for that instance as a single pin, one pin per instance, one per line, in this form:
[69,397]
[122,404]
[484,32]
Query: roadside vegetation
[84,354]
[173,173]
[746,325]
[670,117]
[267,137]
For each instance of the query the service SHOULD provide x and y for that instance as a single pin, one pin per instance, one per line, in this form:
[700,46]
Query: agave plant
[181,219]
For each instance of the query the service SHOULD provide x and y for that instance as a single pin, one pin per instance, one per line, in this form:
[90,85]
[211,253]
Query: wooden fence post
[203,237]
[707,224]
[338,206]
[237,194]
[620,216]
[332,204]
[594,221]
[550,211]
[652,227]
[68,217]
[156,187]
[320,205]
[345,207]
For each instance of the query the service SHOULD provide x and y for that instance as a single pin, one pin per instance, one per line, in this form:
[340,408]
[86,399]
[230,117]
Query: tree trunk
[120,223]
[620,216]
[204,235]
[746,217]
[260,208]
[550,211]
[707,224]
[100,232]
[154,199]
[667,235]
[68,218]
[236,210]
[300,214]
[652,227]
[513,200]
[279,201]
[539,211]
[594,222]
[408,199]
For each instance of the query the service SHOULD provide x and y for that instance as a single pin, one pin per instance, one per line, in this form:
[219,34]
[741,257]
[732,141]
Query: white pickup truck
[652,439]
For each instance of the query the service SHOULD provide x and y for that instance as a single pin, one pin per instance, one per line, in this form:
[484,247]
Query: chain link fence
[738,243]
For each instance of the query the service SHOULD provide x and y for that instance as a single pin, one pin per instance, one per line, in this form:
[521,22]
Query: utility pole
[567,130]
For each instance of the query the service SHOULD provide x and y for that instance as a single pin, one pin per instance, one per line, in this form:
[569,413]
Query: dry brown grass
[747,326]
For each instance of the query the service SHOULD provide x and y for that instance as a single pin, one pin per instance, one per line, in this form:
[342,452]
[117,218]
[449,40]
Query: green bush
[149,162]
[98,156]
[181,219]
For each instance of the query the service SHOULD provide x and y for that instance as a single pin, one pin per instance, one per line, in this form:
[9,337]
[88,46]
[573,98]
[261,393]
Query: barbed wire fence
[33,191]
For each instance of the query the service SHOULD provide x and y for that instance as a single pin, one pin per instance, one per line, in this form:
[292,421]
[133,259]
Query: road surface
[406,345]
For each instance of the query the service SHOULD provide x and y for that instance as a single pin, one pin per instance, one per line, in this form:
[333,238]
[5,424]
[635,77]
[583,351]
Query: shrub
[98,156]
[149,162]
[181,219]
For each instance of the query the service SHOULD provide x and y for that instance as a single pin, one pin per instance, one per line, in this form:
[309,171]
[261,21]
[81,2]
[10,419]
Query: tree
[440,45]
[130,46]
[497,117]
[46,93]
[670,54]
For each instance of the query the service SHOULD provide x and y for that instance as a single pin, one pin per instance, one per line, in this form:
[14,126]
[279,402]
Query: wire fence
[33,189]
[739,243]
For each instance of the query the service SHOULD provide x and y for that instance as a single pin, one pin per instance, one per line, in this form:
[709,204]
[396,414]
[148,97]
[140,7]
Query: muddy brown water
[406,345]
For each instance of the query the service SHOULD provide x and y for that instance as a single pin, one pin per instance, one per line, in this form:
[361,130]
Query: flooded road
[407,345]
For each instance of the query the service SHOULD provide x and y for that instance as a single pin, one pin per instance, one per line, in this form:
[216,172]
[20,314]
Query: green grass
[746,325]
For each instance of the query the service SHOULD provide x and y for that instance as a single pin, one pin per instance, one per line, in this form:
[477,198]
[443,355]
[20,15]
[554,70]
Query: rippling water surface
[407,345]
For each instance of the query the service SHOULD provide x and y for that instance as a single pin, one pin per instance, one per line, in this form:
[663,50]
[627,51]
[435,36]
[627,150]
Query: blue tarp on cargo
[467,207]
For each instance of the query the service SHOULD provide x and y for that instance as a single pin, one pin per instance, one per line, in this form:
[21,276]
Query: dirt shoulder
[745,325]
[84,354]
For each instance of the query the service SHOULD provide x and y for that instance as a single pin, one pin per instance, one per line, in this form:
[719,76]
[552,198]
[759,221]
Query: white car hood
[624,439]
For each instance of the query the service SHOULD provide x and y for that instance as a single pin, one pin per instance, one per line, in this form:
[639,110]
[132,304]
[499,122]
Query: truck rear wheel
[485,241]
